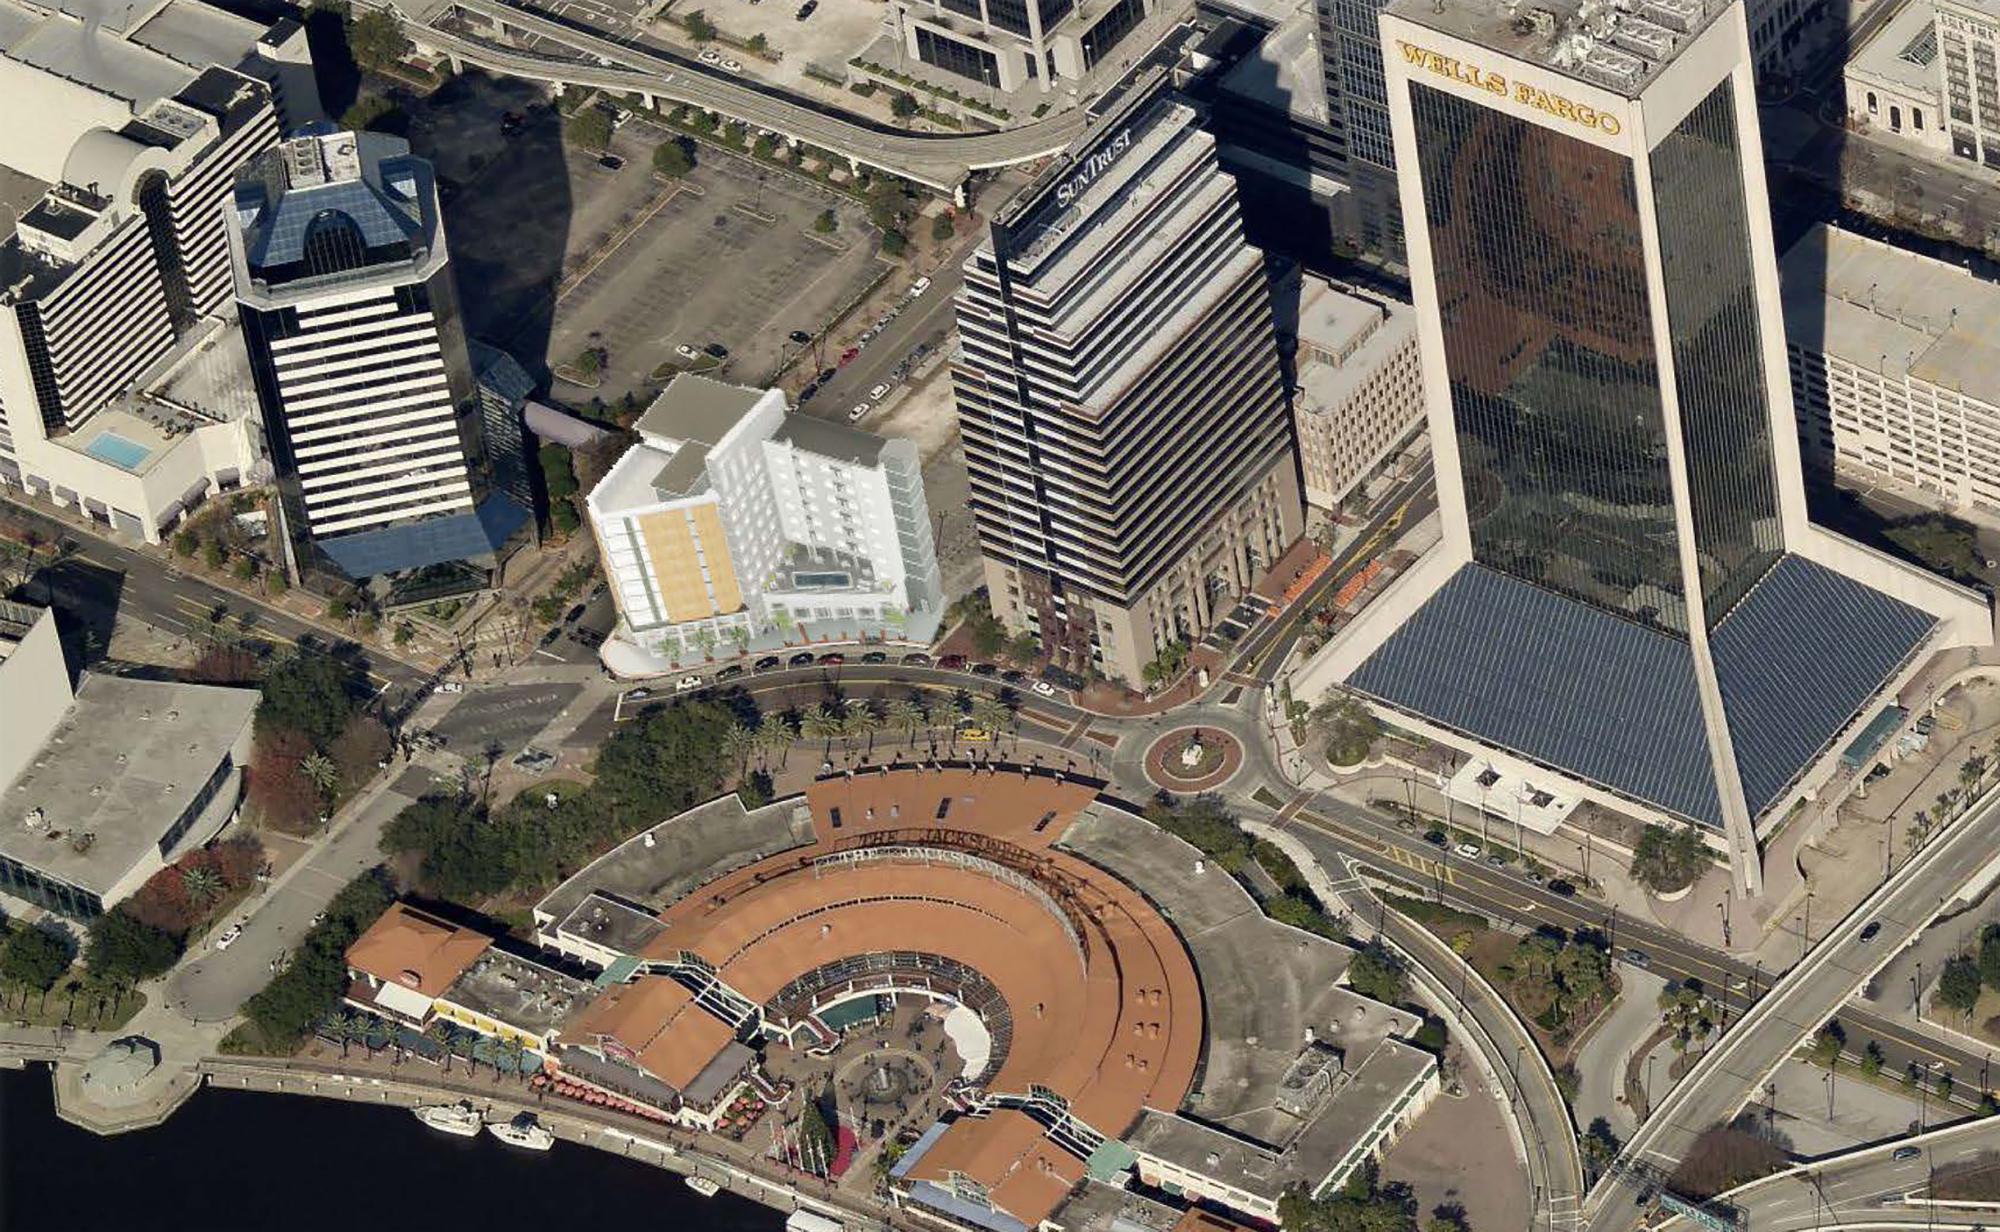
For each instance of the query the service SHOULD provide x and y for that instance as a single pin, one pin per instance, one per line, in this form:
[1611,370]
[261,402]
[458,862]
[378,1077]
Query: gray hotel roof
[1596,696]
[697,408]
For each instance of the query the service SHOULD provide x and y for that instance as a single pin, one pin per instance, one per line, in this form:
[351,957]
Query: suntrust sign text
[1090,168]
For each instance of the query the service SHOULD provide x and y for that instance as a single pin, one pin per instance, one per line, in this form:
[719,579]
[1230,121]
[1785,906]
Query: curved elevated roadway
[938,160]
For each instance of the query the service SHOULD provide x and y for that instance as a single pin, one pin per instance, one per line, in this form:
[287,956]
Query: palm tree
[775,735]
[1973,770]
[989,713]
[861,722]
[739,742]
[348,1027]
[444,1035]
[202,884]
[320,772]
[906,714]
[821,723]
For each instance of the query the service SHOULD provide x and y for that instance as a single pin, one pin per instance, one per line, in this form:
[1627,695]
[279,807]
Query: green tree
[1667,860]
[942,228]
[376,39]
[674,157]
[186,543]
[367,112]
[123,948]
[244,568]
[1958,984]
[202,884]
[591,129]
[755,790]
[699,27]
[1944,545]
[321,772]
[1827,1044]
[1376,973]
[1989,956]
[1871,1060]
[1600,1146]
[903,104]
[308,691]
[826,222]
[34,959]
[1350,727]
[894,242]
[213,554]
[590,362]
[758,45]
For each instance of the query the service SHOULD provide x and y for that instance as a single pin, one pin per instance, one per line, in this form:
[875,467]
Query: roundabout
[1189,759]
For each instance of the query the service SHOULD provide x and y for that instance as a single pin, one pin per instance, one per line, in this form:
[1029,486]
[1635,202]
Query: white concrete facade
[1894,83]
[1360,392]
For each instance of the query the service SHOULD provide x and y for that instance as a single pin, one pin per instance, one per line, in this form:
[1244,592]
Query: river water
[238,1160]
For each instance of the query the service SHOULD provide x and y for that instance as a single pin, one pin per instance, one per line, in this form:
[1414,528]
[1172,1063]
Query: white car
[920,286]
[452,686]
[687,682]
[1469,850]
[710,55]
[1044,688]
[860,409]
[229,936]
[686,352]
[731,66]
[875,394]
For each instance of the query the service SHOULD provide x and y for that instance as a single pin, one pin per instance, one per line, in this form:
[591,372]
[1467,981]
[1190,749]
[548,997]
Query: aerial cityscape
[1000,615]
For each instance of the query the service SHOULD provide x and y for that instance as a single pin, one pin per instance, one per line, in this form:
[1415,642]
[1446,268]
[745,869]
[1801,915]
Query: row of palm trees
[857,722]
[351,1027]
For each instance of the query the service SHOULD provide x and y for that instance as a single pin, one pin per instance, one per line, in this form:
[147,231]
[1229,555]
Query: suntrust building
[1629,598]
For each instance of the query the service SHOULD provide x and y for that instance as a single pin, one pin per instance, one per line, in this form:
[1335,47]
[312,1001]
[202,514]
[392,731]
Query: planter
[1673,896]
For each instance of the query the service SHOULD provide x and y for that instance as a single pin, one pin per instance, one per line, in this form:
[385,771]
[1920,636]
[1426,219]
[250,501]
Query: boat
[460,1118]
[703,1186]
[523,1131]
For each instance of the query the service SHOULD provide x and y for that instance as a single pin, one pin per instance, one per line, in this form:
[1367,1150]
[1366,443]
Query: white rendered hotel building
[1629,602]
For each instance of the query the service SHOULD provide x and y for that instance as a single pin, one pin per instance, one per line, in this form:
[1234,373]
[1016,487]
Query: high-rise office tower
[1629,600]
[343,283]
[1121,398]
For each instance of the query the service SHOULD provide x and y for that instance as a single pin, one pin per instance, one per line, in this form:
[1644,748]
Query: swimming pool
[115,449]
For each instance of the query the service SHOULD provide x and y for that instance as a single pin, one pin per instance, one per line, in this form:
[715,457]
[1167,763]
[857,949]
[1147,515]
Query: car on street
[769,663]
[731,66]
[1903,1154]
[802,659]
[825,375]
[875,656]
[919,659]
[1437,838]
[1468,850]
[1013,675]
[806,394]
[1562,889]
[229,936]
[798,335]
[832,660]
[575,614]
[860,409]
[686,352]
[588,637]
[717,350]
[1044,688]
[452,686]
[1497,860]
[687,682]
[1869,933]
[952,663]
[1637,958]
[611,162]
[551,638]
[710,55]
[920,286]
[638,695]
[319,917]
[876,394]
[731,672]
[847,356]
[985,669]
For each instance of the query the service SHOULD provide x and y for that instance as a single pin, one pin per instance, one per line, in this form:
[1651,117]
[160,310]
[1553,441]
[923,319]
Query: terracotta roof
[655,1021]
[416,949]
[1105,1004]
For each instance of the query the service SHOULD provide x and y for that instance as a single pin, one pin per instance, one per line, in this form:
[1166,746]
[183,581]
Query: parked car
[920,286]
[875,656]
[687,682]
[710,55]
[847,356]
[1044,688]
[717,350]
[1013,676]
[985,669]
[952,663]
[825,375]
[229,936]
[587,637]
[451,686]
[1469,850]
[731,672]
[1562,889]
[860,409]
[802,659]
[1437,838]
[805,10]
[611,162]
[574,614]
[1904,1153]
[876,394]
[1638,958]
[807,394]
[638,695]
[731,66]
[832,660]
[919,659]
[769,663]
[1869,933]
[798,335]
[551,637]
[686,352]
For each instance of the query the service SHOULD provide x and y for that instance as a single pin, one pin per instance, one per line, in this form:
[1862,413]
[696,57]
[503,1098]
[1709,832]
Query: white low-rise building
[1895,362]
[1360,388]
[733,524]
[1893,82]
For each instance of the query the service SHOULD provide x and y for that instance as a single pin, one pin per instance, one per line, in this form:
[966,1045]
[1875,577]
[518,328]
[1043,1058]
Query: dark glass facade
[1113,26]
[1541,282]
[1719,381]
[953,56]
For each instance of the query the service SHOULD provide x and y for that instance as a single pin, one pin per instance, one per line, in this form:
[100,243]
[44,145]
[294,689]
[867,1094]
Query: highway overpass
[941,161]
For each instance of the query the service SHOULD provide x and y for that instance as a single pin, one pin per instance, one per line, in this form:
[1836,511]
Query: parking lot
[729,259]
[836,31]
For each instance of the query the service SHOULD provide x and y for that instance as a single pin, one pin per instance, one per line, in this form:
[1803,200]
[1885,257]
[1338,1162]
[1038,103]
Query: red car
[832,660]
[847,356]
[952,663]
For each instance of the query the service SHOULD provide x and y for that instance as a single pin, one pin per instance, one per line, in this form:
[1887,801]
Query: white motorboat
[523,1131]
[460,1118]
[703,1186]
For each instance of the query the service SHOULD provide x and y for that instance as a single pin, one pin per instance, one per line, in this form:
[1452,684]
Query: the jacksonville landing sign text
[1521,92]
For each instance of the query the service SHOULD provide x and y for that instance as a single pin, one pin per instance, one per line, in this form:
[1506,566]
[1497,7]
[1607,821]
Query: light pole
[1805,937]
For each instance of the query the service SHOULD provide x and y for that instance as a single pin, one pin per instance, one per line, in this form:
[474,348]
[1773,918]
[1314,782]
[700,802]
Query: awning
[195,492]
[227,476]
[170,514]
